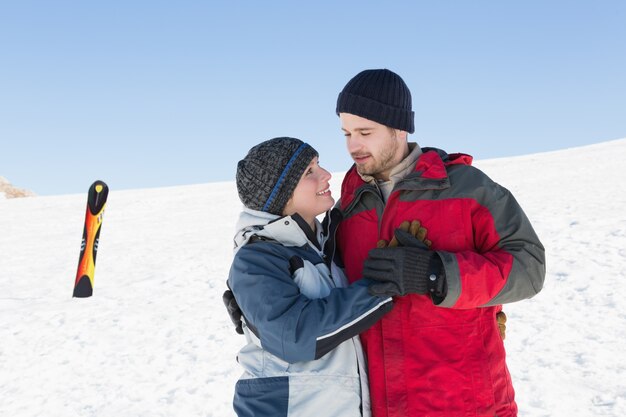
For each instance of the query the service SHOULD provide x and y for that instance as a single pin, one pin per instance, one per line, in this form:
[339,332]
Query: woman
[301,320]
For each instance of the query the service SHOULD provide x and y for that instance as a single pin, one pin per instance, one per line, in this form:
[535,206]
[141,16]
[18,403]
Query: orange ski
[96,200]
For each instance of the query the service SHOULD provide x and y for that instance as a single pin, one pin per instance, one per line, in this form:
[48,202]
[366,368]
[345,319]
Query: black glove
[406,239]
[234,312]
[407,269]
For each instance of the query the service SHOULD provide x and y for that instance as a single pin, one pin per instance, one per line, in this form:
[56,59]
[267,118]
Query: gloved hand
[407,269]
[234,312]
[501,319]
[414,229]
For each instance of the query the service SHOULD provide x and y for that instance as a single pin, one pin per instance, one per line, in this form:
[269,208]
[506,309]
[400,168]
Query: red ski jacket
[445,360]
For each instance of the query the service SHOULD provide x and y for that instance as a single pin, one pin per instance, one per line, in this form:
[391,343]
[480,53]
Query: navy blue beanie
[379,95]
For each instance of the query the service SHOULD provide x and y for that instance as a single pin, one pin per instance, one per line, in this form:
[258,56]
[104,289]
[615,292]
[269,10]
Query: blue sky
[156,93]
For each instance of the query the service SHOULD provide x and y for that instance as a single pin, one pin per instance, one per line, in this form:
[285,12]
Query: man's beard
[380,163]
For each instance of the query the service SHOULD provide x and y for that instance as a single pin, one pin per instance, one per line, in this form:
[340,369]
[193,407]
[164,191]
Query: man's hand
[406,265]
[234,312]
[501,319]
[415,229]
[402,270]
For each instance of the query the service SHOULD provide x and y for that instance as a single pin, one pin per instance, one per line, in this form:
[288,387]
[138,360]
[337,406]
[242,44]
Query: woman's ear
[288,210]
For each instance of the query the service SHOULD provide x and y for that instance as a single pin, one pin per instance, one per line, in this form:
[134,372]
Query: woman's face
[312,195]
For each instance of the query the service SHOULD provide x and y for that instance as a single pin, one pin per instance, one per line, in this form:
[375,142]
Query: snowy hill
[154,340]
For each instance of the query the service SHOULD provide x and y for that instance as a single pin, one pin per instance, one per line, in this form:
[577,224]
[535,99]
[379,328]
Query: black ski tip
[97,196]
[83,289]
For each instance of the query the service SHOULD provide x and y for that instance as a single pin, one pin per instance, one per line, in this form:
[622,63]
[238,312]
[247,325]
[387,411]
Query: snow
[155,340]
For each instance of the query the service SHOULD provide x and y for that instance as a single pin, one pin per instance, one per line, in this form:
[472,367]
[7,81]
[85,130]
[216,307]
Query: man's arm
[508,263]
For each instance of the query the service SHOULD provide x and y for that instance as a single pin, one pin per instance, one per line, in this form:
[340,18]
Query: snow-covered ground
[154,340]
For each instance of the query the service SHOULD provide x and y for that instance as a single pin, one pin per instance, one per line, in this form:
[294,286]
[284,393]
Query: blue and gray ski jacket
[301,321]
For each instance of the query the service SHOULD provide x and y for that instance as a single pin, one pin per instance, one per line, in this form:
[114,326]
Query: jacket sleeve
[508,262]
[290,325]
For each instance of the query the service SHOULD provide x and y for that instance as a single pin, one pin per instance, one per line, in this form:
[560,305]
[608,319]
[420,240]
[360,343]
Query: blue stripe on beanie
[282,176]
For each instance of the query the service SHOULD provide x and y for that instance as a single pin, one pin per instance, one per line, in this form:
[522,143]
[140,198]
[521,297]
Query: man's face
[376,149]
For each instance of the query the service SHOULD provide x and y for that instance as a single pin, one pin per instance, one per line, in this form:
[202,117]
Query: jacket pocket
[453,368]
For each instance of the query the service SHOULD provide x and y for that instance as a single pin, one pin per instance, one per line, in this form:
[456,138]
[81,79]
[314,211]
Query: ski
[96,200]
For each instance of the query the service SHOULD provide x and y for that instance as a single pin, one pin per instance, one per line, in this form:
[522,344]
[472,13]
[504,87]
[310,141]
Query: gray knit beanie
[268,175]
[379,95]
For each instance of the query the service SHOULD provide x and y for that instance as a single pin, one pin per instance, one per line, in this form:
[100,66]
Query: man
[438,352]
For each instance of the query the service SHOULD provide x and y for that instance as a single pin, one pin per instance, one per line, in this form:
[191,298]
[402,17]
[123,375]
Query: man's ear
[402,134]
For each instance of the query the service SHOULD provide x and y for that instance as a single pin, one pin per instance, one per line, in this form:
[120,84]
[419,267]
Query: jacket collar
[428,172]
[286,230]
[401,170]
